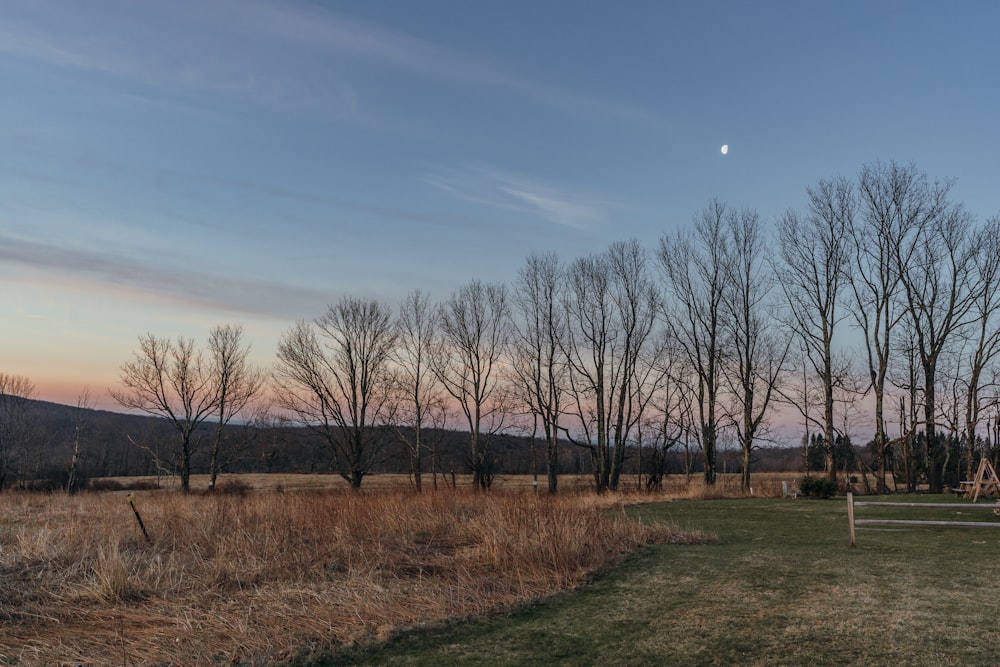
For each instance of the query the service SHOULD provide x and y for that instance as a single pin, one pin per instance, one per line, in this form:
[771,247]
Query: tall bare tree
[984,332]
[538,361]
[238,383]
[15,393]
[904,373]
[84,407]
[611,304]
[815,256]
[941,286]
[895,202]
[170,379]
[420,403]
[333,375]
[475,332]
[758,352]
[697,280]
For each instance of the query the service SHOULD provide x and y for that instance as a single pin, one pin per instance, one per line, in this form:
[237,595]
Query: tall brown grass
[251,579]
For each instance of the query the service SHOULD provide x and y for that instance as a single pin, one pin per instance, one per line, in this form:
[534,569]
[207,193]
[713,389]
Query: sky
[169,166]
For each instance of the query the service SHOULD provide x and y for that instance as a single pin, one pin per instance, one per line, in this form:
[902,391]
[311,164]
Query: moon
[724,149]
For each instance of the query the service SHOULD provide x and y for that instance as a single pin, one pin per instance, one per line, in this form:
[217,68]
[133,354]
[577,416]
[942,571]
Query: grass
[328,577]
[780,587]
[270,576]
[674,486]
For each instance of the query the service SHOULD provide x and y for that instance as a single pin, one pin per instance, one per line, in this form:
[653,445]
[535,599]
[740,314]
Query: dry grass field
[674,486]
[285,569]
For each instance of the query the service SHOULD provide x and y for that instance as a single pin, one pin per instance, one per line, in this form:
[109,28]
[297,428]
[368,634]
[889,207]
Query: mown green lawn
[780,587]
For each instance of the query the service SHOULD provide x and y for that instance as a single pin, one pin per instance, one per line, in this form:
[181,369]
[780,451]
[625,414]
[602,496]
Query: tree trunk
[931,445]
[552,461]
[213,466]
[71,477]
[831,469]
[709,439]
[186,465]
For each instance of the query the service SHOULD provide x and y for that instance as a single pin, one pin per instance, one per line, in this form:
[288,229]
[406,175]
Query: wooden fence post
[131,502]
[850,515]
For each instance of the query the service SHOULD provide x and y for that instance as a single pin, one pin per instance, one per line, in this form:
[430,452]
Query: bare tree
[420,403]
[984,332]
[433,435]
[758,351]
[334,376]
[697,279]
[664,402]
[894,204]
[238,383]
[475,331]
[170,379]
[951,400]
[611,304]
[803,397]
[904,373]
[84,406]
[941,286]
[538,361]
[815,257]
[15,393]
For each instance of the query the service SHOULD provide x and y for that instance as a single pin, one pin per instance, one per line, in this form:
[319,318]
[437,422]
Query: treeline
[105,445]
[693,343]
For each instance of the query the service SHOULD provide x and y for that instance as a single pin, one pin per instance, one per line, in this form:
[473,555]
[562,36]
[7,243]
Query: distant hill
[114,444]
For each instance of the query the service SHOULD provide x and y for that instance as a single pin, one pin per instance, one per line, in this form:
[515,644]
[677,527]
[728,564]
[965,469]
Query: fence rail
[851,504]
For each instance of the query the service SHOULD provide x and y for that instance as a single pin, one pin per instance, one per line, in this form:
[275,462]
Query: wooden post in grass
[850,514]
[142,526]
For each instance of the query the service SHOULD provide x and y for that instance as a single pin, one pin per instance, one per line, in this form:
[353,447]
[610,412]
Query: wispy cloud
[135,270]
[90,171]
[326,30]
[505,190]
[285,55]
[187,48]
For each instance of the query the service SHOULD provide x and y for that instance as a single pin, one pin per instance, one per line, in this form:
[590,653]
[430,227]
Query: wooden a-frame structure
[985,482]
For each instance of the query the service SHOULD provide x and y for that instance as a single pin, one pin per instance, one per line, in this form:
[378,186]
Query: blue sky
[169,166]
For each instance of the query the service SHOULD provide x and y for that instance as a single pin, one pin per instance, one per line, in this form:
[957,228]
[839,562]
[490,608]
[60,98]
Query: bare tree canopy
[237,384]
[170,379]
[815,255]
[419,402]
[759,351]
[895,203]
[697,281]
[982,337]
[333,375]
[611,305]
[537,358]
[475,332]
[941,286]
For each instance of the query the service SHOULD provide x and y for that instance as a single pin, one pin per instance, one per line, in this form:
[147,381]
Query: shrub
[233,487]
[105,485]
[101,484]
[818,487]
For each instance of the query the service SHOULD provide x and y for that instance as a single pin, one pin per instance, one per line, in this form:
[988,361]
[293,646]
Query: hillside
[114,444]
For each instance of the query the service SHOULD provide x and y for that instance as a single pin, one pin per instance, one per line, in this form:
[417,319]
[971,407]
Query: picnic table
[986,483]
[967,488]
